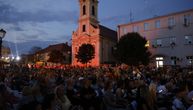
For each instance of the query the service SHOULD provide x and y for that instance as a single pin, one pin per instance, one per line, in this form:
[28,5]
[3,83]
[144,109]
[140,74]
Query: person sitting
[178,102]
[110,99]
[49,102]
[62,101]
[88,95]
[120,100]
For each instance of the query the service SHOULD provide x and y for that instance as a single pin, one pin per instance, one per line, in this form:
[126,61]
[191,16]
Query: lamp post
[2,35]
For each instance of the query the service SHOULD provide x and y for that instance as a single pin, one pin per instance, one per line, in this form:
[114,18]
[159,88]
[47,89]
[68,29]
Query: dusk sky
[54,20]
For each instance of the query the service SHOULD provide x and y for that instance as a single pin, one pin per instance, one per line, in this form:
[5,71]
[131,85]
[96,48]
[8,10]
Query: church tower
[89,31]
[88,15]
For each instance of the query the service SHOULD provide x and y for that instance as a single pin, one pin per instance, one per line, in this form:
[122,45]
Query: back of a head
[2,88]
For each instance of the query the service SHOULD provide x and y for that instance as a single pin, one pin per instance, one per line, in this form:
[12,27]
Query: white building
[170,37]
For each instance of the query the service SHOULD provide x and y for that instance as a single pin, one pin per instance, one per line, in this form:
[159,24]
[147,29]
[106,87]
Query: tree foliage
[56,56]
[85,53]
[131,50]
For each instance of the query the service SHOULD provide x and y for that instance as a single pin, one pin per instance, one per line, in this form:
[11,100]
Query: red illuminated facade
[91,32]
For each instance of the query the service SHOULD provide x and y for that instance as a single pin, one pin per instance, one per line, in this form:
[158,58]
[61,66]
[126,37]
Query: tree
[56,56]
[85,53]
[131,50]
[34,49]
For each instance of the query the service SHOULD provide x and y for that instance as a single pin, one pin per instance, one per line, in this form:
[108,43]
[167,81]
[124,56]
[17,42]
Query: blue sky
[54,20]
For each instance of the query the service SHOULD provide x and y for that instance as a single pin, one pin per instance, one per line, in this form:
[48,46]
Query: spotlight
[18,58]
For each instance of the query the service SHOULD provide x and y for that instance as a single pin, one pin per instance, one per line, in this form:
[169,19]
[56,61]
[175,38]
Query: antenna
[131,16]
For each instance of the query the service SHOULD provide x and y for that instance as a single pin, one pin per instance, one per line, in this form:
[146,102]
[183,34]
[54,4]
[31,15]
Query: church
[90,31]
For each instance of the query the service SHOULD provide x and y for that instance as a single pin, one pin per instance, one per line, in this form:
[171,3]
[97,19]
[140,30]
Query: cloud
[10,14]
[63,38]
[16,27]
[42,24]
[42,31]
[113,21]
[27,37]
[117,19]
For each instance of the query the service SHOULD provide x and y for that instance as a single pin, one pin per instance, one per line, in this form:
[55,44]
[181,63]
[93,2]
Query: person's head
[27,91]
[119,92]
[108,85]
[190,85]
[146,94]
[3,89]
[87,83]
[181,90]
[48,102]
[31,106]
[162,82]
[144,90]
[36,89]
[60,90]
[70,84]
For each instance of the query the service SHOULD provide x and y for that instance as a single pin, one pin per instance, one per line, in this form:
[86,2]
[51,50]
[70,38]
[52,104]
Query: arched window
[84,10]
[84,28]
[93,10]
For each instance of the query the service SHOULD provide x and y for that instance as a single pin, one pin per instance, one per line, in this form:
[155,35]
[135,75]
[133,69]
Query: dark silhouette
[85,53]
[131,50]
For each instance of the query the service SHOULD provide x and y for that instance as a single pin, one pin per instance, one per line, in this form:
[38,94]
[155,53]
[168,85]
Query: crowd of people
[96,88]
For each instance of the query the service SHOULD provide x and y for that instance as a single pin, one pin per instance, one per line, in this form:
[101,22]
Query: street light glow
[18,58]
[7,58]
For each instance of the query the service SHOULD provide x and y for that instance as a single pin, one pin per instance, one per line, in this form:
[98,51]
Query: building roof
[108,33]
[157,17]
[59,47]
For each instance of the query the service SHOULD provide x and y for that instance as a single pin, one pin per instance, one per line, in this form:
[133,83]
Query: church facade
[89,31]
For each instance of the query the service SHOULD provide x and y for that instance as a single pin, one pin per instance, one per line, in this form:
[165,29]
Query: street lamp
[2,35]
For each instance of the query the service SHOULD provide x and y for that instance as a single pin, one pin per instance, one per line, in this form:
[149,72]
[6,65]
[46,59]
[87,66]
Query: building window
[135,28]
[84,10]
[159,42]
[124,30]
[157,24]
[146,26]
[171,22]
[172,41]
[159,62]
[190,59]
[188,40]
[84,28]
[174,60]
[154,45]
[187,20]
[93,10]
